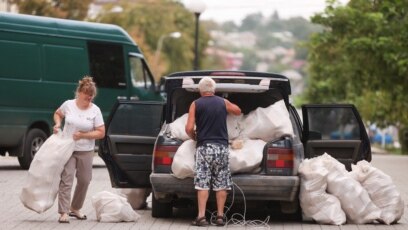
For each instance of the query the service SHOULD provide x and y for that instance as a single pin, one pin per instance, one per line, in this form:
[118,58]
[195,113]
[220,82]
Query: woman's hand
[56,128]
[77,135]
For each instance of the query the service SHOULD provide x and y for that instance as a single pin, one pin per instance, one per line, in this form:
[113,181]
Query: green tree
[251,21]
[229,27]
[362,57]
[68,9]
[148,20]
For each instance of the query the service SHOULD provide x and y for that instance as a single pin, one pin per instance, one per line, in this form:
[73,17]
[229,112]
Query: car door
[127,148]
[337,130]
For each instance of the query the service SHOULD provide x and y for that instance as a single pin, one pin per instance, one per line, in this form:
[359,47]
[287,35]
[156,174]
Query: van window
[107,64]
[140,76]
[24,59]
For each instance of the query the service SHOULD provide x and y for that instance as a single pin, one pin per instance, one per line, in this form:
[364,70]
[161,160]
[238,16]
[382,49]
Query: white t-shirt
[77,119]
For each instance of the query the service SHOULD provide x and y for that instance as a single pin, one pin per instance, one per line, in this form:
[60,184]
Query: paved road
[15,216]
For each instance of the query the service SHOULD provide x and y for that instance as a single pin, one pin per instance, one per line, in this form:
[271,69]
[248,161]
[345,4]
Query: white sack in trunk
[268,123]
[42,183]
[110,207]
[248,158]
[135,196]
[183,160]
[178,128]
[316,203]
[233,126]
[381,189]
[354,199]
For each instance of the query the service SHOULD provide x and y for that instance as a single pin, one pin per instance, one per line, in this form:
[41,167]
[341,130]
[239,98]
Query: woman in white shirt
[83,120]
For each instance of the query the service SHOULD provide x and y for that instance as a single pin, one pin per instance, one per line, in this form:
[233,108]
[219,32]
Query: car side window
[333,124]
[136,119]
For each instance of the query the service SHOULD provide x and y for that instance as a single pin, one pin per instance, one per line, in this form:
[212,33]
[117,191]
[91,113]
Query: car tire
[292,210]
[161,209]
[32,143]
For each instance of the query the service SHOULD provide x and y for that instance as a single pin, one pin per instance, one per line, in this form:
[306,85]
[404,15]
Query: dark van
[42,60]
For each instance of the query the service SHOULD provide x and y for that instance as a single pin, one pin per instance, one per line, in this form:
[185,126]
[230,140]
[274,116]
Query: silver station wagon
[139,150]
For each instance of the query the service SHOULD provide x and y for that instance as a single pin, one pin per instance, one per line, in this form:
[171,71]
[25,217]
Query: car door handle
[121,98]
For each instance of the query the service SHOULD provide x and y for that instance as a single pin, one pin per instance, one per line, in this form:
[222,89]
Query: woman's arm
[58,117]
[98,133]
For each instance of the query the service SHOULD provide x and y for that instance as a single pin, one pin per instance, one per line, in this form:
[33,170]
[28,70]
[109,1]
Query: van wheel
[33,141]
[161,209]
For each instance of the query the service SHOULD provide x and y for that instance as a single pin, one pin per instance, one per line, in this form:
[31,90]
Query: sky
[236,10]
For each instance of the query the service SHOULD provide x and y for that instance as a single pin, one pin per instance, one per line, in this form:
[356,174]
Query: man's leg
[202,197]
[221,197]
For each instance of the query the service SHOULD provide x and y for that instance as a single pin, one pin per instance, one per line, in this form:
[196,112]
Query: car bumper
[255,187]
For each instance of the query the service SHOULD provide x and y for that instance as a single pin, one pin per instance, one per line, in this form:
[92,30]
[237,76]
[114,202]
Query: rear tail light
[163,155]
[279,159]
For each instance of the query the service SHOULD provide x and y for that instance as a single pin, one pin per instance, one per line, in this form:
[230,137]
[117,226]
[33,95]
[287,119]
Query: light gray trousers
[81,163]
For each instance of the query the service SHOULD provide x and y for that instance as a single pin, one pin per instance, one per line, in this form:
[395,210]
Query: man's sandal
[200,221]
[219,221]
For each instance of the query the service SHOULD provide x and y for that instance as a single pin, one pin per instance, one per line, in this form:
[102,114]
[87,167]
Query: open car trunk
[250,157]
[181,100]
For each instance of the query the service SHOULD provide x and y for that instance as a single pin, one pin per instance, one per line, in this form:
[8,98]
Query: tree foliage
[148,20]
[361,57]
[68,9]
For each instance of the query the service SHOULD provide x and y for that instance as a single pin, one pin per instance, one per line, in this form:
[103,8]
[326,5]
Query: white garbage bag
[184,161]
[135,196]
[178,128]
[354,199]
[110,207]
[44,175]
[381,189]
[248,158]
[267,123]
[316,203]
[234,126]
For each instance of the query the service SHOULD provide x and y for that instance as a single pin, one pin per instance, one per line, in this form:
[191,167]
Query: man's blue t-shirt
[211,120]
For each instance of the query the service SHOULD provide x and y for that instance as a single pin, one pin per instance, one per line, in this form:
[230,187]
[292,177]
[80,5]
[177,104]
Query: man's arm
[191,122]
[232,108]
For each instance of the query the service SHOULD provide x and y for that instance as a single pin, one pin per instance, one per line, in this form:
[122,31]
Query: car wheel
[161,209]
[33,141]
[292,210]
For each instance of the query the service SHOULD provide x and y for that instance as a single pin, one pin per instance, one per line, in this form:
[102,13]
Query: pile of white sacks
[248,135]
[329,194]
